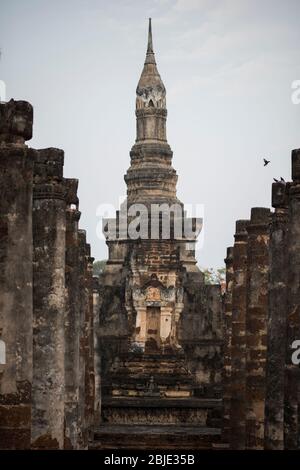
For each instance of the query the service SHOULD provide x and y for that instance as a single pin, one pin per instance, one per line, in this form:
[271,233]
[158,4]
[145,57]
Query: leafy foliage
[98,267]
[214,276]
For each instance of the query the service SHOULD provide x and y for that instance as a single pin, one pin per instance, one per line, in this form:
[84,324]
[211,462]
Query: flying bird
[266,162]
[276,181]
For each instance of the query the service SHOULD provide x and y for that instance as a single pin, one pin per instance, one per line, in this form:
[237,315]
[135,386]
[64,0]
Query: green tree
[214,276]
[98,267]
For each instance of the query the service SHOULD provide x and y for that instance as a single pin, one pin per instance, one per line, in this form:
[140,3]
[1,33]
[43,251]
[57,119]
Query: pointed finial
[150,44]
[150,59]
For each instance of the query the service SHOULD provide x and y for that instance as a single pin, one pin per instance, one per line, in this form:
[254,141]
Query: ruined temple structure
[147,356]
[262,325]
[46,296]
[159,329]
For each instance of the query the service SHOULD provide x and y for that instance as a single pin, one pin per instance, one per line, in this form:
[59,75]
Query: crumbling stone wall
[263,381]
[201,334]
[46,296]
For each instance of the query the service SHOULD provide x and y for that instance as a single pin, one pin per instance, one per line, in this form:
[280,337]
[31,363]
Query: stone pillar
[276,344]
[49,241]
[16,167]
[227,334]
[72,320]
[97,357]
[83,302]
[292,379]
[256,325]
[238,340]
[89,366]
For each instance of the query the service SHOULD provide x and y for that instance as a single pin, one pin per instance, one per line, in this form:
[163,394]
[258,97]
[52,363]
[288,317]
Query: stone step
[158,358]
[144,377]
[142,383]
[113,436]
[154,402]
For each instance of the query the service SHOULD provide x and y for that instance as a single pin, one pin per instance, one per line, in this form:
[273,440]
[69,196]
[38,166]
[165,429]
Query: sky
[228,67]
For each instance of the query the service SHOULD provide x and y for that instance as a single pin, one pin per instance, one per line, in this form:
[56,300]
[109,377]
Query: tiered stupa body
[155,261]
[154,305]
[151,177]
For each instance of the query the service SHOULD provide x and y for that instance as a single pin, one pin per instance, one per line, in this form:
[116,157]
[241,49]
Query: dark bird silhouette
[281,179]
[276,181]
[266,162]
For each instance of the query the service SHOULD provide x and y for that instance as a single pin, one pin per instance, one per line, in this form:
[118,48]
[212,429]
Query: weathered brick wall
[265,384]
[200,334]
[16,169]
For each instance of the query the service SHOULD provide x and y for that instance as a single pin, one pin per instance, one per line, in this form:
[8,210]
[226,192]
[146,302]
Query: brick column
[16,169]
[276,344]
[227,334]
[83,373]
[49,241]
[72,320]
[97,357]
[256,325]
[90,375]
[292,387]
[238,341]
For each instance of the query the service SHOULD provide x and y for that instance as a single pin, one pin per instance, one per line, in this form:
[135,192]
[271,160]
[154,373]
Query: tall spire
[151,176]
[150,43]
[150,58]
[150,90]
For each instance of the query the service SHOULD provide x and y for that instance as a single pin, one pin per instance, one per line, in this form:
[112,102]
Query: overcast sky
[228,67]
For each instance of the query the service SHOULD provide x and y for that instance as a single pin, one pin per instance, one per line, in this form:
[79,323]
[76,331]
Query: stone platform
[162,375]
[157,411]
[156,390]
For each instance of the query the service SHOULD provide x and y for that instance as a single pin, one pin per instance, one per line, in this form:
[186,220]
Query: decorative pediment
[153,294]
